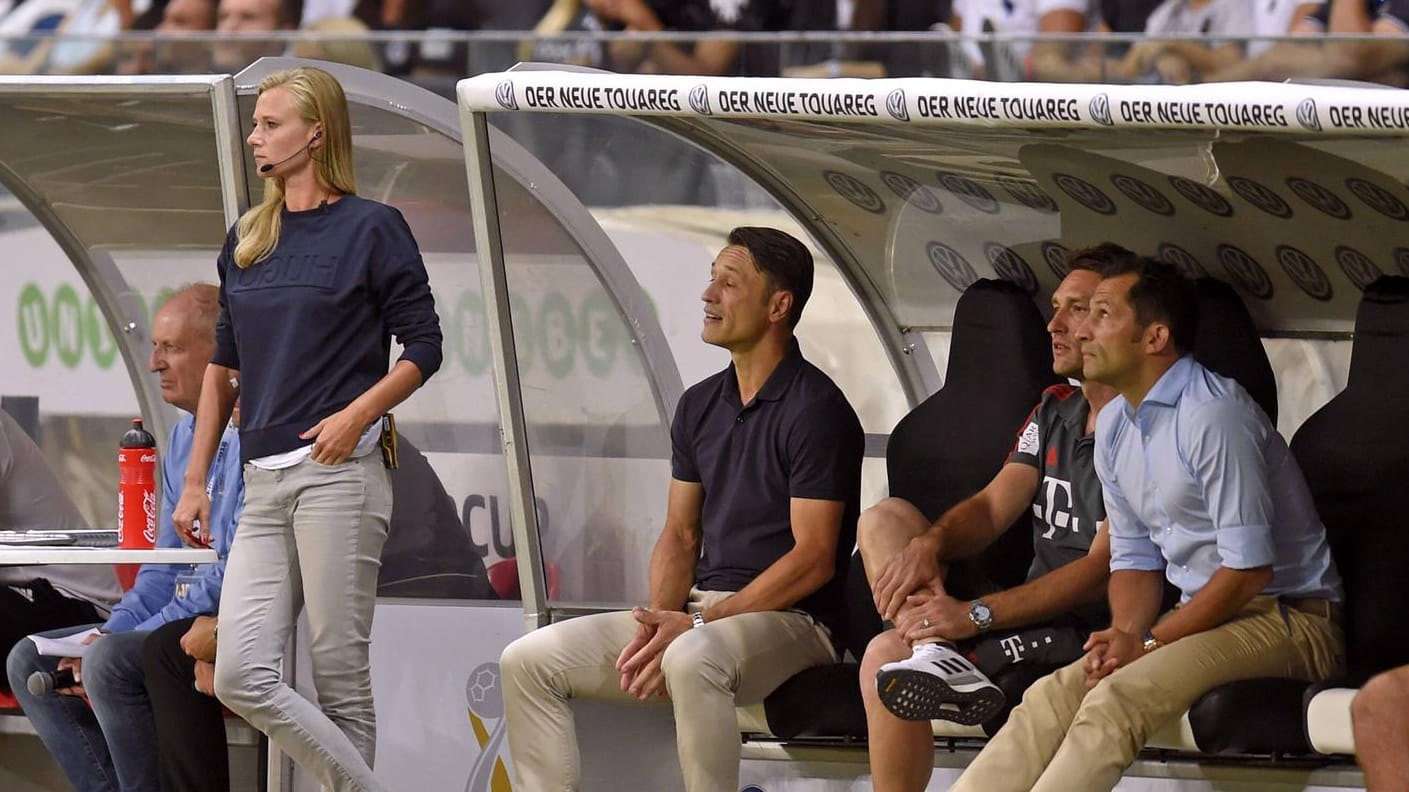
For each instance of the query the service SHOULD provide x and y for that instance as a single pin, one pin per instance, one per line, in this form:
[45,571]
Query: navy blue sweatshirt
[309,327]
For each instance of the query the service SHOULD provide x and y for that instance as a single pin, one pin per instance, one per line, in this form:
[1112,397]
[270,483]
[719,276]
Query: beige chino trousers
[735,661]
[1064,737]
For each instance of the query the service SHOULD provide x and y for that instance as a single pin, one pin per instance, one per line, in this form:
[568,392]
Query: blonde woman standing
[314,282]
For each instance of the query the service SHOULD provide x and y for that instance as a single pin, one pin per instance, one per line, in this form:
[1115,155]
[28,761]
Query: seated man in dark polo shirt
[746,577]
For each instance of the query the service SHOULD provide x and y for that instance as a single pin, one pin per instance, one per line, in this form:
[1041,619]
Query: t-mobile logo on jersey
[1054,507]
[1013,647]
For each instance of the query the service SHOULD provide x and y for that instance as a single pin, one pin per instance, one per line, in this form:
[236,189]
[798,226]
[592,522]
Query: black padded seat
[1350,452]
[943,451]
[954,443]
[1227,343]
[1353,452]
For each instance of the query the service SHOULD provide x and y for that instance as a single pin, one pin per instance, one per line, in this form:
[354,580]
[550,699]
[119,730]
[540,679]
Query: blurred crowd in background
[1139,41]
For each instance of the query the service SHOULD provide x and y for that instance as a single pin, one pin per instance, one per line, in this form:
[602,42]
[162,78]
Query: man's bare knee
[886,647]
[1384,694]
[888,526]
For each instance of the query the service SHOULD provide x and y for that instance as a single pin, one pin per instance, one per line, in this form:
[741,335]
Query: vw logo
[1261,197]
[1100,110]
[1307,116]
[504,95]
[1143,194]
[856,191]
[1203,197]
[699,99]
[1401,258]
[951,266]
[1319,198]
[1010,266]
[1085,193]
[1357,266]
[1304,272]
[1378,198]
[912,192]
[1055,254]
[1028,194]
[895,105]
[1181,258]
[968,191]
[1245,272]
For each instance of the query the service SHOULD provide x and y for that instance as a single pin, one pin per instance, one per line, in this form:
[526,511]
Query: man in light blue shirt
[112,746]
[1198,485]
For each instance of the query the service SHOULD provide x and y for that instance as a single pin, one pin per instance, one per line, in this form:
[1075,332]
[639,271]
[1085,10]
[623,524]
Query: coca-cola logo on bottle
[149,507]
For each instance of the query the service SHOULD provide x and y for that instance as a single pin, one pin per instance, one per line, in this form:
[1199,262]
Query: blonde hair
[318,99]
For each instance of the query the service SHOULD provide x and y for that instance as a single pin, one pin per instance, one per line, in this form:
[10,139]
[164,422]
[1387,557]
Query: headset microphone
[269,166]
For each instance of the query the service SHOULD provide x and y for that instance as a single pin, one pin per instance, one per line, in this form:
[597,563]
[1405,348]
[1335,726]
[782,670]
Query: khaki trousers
[1064,737]
[708,671]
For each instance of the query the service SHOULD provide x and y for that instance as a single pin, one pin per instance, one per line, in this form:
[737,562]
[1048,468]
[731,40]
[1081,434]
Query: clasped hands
[1109,650]
[640,661]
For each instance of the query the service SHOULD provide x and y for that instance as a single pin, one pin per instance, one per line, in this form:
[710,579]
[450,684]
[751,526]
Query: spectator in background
[867,60]
[1382,59]
[170,57]
[1097,61]
[352,46]
[1019,60]
[247,18]
[427,58]
[712,57]
[1211,35]
[1272,18]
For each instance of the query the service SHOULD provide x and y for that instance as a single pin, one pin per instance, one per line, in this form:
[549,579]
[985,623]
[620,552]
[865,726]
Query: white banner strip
[1270,107]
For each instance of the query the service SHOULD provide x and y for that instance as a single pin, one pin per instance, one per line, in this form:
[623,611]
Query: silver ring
[925,623]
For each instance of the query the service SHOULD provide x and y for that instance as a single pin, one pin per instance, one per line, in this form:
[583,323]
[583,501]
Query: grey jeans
[310,536]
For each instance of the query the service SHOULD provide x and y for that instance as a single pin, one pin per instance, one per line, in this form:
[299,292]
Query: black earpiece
[307,149]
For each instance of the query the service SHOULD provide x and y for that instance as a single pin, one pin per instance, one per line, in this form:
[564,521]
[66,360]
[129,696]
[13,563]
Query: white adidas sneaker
[938,683]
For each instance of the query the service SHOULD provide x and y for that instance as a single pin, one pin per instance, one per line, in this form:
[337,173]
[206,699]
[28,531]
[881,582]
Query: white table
[12,555]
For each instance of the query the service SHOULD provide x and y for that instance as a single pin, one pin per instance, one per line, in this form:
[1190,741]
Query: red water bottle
[136,495]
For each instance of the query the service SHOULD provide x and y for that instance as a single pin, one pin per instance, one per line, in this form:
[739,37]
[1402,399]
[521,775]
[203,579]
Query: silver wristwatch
[981,615]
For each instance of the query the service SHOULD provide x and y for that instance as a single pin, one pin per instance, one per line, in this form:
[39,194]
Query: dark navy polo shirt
[1068,505]
[798,438]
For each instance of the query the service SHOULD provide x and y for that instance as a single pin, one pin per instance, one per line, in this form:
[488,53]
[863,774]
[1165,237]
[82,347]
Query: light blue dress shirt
[1197,477]
[153,599]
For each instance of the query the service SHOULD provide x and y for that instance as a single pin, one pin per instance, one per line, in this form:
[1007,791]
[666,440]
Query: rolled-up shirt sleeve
[1225,445]
[1131,545]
